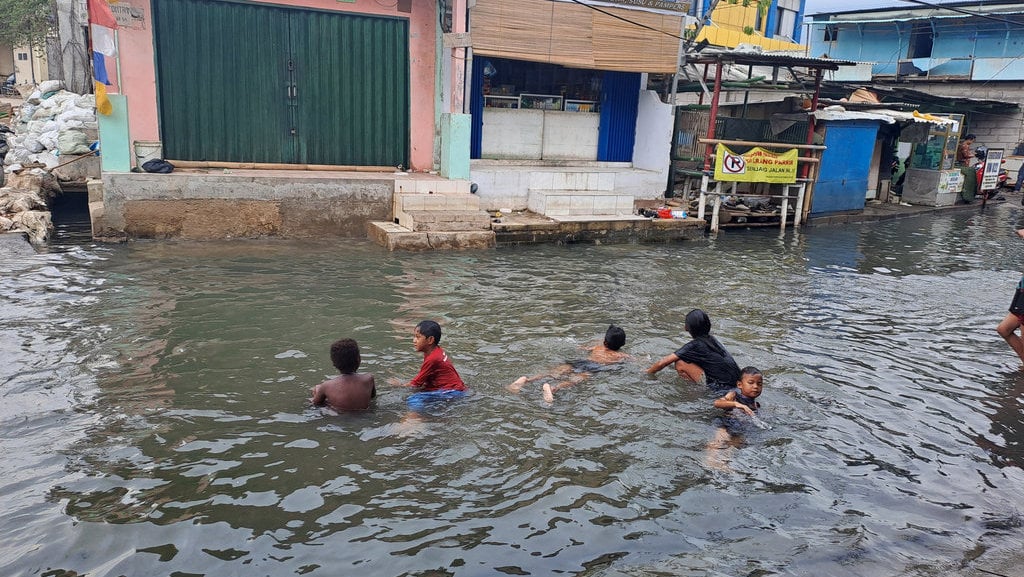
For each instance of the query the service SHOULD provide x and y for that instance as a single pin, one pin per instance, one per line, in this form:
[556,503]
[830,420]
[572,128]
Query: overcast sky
[815,6]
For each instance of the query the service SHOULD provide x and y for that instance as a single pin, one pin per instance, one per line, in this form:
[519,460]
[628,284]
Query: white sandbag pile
[51,127]
[25,211]
[52,123]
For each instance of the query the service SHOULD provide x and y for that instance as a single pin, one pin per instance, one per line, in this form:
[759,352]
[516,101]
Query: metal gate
[256,83]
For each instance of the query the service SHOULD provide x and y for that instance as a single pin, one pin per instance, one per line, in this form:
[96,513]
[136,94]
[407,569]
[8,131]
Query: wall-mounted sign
[755,165]
[128,16]
[668,5]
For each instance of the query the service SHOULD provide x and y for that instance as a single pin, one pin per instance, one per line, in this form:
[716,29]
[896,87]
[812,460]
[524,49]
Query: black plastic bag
[158,165]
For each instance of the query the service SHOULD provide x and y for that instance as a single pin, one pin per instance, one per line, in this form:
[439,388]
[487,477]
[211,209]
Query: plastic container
[678,214]
[146,150]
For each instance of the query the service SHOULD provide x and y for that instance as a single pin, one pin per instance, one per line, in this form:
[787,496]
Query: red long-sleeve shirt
[437,373]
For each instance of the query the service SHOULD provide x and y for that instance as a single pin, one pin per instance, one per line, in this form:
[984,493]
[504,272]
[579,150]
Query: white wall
[570,135]
[524,134]
[653,134]
[512,134]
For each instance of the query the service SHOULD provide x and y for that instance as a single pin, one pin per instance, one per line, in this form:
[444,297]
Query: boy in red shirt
[437,378]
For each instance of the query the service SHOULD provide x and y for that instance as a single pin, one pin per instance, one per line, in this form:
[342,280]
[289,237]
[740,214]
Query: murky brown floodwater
[153,417]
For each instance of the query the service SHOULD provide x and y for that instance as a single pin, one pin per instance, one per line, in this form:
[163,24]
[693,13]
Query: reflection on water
[154,416]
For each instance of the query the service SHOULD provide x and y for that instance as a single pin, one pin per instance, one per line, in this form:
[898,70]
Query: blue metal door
[845,166]
[620,100]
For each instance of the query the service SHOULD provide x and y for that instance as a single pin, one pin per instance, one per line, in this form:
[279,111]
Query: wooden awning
[576,35]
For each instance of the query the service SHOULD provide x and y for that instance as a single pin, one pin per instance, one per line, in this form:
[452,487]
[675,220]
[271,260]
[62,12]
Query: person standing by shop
[965,160]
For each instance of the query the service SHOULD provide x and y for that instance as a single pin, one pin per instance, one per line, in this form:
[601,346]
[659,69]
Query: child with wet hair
[601,356]
[349,391]
[728,436]
[744,396]
[437,373]
[703,360]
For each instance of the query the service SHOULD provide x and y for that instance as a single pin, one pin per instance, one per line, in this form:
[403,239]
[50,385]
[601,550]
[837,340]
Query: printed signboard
[993,162]
[755,165]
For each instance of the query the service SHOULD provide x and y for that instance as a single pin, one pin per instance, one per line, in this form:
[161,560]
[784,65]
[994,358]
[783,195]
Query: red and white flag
[101,31]
[102,25]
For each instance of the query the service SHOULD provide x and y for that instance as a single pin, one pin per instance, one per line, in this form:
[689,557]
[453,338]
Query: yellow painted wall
[33,69]
[728,22]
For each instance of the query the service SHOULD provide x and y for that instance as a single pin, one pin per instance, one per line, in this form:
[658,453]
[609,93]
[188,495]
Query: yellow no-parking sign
[755,165]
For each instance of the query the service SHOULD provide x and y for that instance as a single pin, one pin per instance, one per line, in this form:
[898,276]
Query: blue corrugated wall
[845,165]
[476,108]
[620,99]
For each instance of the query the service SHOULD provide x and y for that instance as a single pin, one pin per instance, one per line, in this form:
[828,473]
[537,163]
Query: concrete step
[555,203]
[396,237]
[568,179]
[445,220]
[405,202]
[435,185]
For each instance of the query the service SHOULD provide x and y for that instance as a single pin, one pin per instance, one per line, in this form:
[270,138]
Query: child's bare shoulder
[603,354]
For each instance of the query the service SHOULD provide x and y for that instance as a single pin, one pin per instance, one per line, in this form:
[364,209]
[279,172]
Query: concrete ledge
[436,220]
[594,230]
[199,205]
[394,237]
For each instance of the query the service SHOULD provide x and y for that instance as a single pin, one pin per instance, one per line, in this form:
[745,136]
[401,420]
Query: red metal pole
[810,119]
[714,114]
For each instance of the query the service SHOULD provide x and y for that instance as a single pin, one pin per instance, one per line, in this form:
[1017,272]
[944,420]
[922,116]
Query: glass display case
[939,151]
[496,101]
[580,106]
[540,101]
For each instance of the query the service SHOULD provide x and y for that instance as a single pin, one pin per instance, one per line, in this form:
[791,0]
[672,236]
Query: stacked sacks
[51,123]
[24,211]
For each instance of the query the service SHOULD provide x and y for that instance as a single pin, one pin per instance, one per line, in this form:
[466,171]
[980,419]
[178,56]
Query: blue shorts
[428,399]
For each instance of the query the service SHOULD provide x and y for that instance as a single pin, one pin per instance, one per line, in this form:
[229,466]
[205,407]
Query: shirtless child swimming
[601,355]
[349,391]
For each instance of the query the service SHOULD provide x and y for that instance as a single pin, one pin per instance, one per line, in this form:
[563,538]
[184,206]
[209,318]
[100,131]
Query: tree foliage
[25,21]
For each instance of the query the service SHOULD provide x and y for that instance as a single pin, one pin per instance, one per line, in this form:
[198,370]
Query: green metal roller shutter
[352,80]
[256,83]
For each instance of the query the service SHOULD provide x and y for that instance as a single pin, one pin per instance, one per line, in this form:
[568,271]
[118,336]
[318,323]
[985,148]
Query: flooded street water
[154,417]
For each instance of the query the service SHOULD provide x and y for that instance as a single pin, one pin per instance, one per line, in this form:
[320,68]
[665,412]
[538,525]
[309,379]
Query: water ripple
[154,410]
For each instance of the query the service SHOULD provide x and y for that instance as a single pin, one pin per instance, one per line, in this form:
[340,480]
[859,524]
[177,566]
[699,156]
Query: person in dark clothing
[704,359]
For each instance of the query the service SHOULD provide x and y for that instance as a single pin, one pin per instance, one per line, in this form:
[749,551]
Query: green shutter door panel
[255,83]
[222,81]
[352,83]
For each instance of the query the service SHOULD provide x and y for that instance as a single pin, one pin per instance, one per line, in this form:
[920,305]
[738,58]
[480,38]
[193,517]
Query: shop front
[931,178]
[537,111]
[560,84]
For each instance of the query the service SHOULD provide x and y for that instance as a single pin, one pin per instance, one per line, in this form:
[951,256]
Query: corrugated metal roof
[911,17]
[900,96]
[758,58]
[885,115]
[988,7]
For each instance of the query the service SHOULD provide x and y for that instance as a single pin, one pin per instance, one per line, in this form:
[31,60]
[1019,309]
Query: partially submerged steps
[596,203]
[434,215]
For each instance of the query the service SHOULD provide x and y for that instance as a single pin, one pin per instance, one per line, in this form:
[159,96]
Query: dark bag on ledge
[158,165]
[1017,304]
